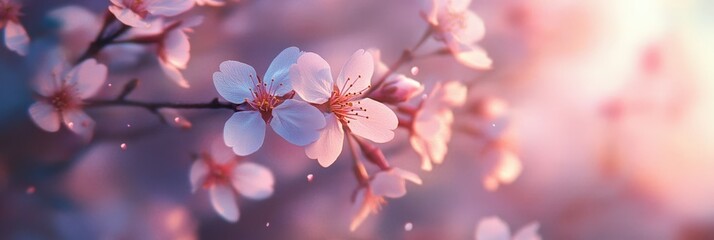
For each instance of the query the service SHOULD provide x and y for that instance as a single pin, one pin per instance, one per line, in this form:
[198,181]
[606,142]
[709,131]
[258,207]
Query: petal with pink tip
[79,122]
[528,232]
[16,38]
[244,132]
[176,48]
[235,80]
[45,116]
[388,184]
[377,122]
[128,17]
[492,228]
[329,145]
[197,174]
[87,77]
[279,69]
[253,181]
[311,78]
[173,73]
[168,8]
[356,75]
[224,202]
[407,175]
[297,122]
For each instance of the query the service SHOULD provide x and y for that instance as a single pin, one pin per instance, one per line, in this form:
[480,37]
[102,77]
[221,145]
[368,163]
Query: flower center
[264,97]
[63,99]
[8,12]
[344,104]
[218,174]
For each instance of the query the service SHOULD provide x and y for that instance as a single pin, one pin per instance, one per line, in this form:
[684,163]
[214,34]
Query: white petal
[253,181]
[297,122]
[168,8]
[329,145]
[471,56]
[492,228]
[245,132]
[360,208]
[224,202]
[358,69]
[474,28]
[453,94]
[16,38]
[279,69]
[311,78]
[176,48]
[388,184]
[199,171]
[212,3]
[420,148]
[235,80]
[45,116]
[528,232]
[407,175]
[79,122]
[509,167]
[173,73]
[457,5]
[87,77]
[378,123]
[128,17]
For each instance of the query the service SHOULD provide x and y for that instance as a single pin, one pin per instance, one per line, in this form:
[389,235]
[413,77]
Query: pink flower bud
[397,88]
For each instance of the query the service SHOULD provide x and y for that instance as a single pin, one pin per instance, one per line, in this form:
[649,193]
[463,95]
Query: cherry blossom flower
[16,38]
[431,125]
[493,228]
[212,3]
[223,175]
[506,169]
[61,96]
[459,28]
[266,102]
[343,103]
[369,198]
[138,13]
[174,49]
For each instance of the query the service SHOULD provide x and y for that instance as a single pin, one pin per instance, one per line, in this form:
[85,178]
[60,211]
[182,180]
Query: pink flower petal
[407,175]
[221,153]
[471,56]
[492,228]
[224,202]
[87,77]
[312,78]
[128,17]
[176,48]
[16,38]
[278,71]
[474,28]
[234,81]
[388,184]
[245,132]
[78,122]
[253,181]
[173,73]
[378,123]
[528,232]
[456,5]
[419,146]
[212,3]
[197,174]
[168,8]
[297,122]
[380,68]
[358,69]
[329,145]
[509,167]
[45,116]
[361,208]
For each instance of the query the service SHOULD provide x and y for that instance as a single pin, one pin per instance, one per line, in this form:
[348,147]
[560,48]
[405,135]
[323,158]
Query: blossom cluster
[297,96]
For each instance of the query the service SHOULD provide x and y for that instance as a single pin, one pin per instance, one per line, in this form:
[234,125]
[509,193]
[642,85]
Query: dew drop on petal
[30,190]
[415,70]
[408,227]
[309,177]
[123,146]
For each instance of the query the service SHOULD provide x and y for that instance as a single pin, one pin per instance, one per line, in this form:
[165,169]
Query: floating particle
[123,146]
[70,124]
[310,177]
[109,85]
[128,125]
[415,70]
[408,227]
[267,224]
[30,190]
